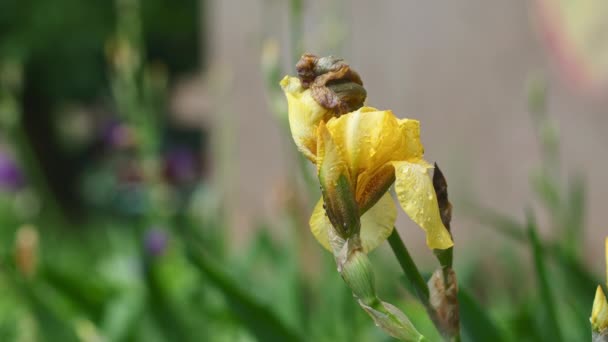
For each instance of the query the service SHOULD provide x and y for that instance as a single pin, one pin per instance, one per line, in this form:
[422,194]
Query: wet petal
[305,114]
[413,149]
[370,138]
[417,197]
[376,224]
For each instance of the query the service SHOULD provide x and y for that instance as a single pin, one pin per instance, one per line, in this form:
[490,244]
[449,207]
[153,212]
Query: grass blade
[553,328]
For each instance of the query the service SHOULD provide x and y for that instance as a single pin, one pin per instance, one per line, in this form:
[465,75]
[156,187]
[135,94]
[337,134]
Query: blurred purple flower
[181,166]
[11,177]
[155,242]
[116,134]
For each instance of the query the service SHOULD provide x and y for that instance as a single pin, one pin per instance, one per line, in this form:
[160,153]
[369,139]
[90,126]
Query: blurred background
[150,189]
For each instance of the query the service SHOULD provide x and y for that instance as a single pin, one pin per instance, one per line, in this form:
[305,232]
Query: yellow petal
[304,116]
[376,224]
[331,163]
[417,197]
[599,312]
[369,138]
[410,129]
[320,225]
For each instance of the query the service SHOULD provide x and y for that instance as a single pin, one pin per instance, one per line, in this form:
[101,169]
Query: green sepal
[341,206]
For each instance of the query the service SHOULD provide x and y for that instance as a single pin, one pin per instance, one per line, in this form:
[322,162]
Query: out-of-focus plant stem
[563,204]
[295,11]
[12,120]
[138,90]
[548,304]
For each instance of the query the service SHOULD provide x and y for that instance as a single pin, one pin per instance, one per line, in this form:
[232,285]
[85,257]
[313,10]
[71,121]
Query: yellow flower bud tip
[291,85]
[606,249]
[599,312]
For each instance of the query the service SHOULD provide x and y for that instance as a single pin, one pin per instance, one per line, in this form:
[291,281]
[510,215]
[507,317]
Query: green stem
[409,267]
[31,165]
[413,274]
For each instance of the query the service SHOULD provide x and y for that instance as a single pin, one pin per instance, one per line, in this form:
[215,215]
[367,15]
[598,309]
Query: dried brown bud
[334,85]
[306,69]
[444,301]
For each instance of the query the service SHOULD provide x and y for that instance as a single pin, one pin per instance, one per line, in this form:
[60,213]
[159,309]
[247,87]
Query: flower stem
[409,267]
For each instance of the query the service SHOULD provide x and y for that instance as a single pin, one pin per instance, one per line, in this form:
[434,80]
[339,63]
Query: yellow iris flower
[359,155]
[599,312]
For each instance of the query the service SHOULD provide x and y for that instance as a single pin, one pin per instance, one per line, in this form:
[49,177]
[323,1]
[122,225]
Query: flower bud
[356,270]
[443,297]
[599,311]
[334,85]
[26,250]
[393,322]
[358,274]
[336,187]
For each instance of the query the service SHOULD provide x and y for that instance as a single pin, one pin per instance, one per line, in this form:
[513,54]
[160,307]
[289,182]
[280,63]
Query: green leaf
[477,325]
